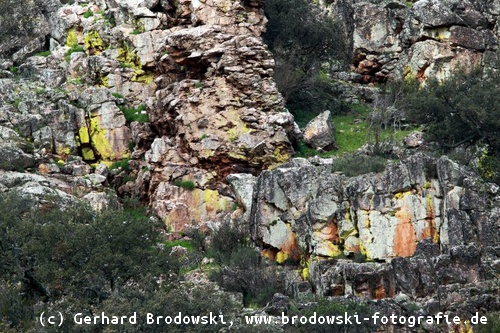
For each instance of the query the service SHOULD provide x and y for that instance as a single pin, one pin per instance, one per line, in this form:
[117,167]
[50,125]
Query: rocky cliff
[428,227]
[415,39]
[178,92]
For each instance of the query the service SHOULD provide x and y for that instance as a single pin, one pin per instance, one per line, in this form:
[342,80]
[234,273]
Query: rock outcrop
[425,225]
[178,93]
[419,39]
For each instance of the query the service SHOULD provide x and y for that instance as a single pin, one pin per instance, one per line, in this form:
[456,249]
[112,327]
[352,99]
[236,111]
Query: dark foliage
[302,38]
[464,109]
[73,259]
[244,270]
[356,164]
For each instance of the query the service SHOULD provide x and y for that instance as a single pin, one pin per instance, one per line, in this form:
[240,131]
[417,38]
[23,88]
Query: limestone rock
[320,132]
[380,216]
[414,140]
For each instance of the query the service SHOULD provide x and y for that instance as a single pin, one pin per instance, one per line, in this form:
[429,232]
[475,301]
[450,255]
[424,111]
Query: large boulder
[320,132]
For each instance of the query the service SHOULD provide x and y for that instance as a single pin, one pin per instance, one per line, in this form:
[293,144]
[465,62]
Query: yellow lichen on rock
[93,42]
[281,257]
[72,38]
[83,135]
[99,140]
[88,154]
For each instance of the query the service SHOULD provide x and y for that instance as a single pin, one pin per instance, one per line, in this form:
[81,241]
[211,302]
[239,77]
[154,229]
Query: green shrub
[334,308]
[226,240]
[123,164]
[43,54]
[74,260]
[135,114]
[492,326]
[462,110]
[302,38]
[356,164]
[185,184]
[489,168]
[247,272]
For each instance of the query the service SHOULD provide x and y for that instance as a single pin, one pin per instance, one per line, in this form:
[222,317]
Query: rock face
[419,39]
[429,223]
[179,93]
[218,111]
[174,102]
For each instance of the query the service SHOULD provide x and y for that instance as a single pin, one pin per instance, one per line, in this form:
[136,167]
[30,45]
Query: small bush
[185,184]
[135,114]
[123,164]
[226,240]
[354,165]
[302,39]
[489,168]
[338,309]
[43,54]
[248,273]
[492,326]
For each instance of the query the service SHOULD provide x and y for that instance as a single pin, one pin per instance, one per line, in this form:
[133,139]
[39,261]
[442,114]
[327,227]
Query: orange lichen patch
[405,240]
[331,233]
[291,247]
[43,168]
[352,245]
[177,218]
[431,220]
[195,207]
[379,292]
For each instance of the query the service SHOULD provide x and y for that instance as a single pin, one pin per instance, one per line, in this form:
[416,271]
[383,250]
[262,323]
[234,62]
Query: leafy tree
[302,38]
[74,260]
[463,109]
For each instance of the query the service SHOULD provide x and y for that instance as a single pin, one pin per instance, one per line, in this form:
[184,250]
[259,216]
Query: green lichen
[237,156]
[408,74]
[104,81]
[128,57]
[143,76]
[281,155]
[63,151]
[83,134]
[305,263]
